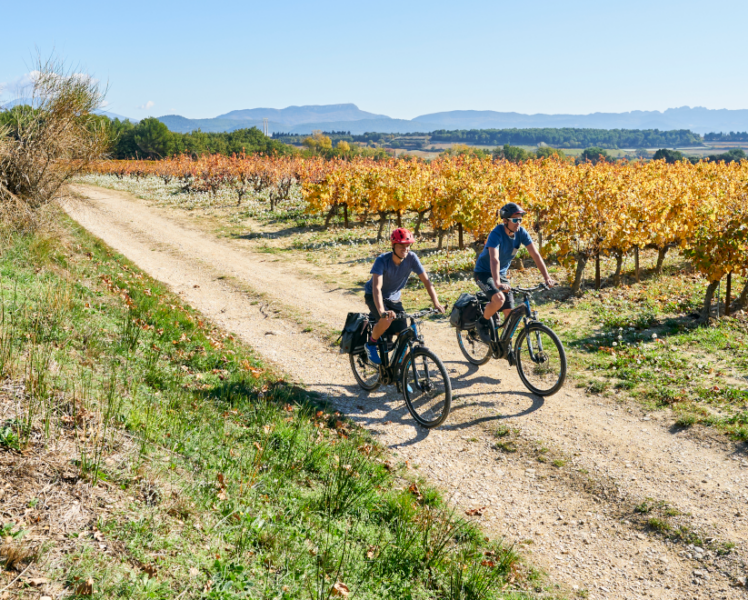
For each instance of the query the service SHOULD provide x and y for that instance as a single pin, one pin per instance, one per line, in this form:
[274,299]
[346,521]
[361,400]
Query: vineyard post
[459,236]
[597,270]
[728,294]
[636,263]
[345,215]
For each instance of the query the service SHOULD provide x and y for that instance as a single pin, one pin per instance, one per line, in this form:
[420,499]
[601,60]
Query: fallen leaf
[37,581]
[150,570]
[194,572]
[476,512]
[85,588]
[340,589]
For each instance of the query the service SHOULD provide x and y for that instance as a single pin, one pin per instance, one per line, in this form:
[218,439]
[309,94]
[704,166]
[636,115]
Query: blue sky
[402,59]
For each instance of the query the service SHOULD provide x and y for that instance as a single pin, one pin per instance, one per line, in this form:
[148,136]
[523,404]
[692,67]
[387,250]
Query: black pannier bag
[353,336]
[465,312]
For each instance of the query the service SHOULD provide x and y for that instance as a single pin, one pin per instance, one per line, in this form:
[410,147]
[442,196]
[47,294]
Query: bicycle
[416,371]
[538,352]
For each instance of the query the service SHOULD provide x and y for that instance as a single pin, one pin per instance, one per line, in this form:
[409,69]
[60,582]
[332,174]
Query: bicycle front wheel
[365,371]
[474,349]
[541,359]
[426,388]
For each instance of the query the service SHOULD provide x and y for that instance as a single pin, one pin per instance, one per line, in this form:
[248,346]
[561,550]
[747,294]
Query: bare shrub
[46,142]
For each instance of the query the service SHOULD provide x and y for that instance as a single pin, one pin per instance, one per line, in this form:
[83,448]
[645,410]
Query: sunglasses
[516,220]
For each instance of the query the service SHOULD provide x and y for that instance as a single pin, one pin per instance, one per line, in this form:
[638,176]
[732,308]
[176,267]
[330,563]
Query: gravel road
[572,512]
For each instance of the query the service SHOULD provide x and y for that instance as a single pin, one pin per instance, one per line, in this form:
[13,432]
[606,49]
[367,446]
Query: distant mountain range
[348,117]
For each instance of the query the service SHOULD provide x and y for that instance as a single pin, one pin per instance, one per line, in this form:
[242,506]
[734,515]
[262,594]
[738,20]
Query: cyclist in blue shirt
[389,274]
[493,264]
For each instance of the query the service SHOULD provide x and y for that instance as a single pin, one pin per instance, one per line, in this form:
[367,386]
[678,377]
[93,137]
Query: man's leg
[379,329]
[497,301]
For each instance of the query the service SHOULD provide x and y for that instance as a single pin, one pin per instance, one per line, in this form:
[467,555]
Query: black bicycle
[537,352]
[416,371]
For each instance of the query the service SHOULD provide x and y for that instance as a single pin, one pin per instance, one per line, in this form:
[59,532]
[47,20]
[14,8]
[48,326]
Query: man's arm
[376,292]
[540,263]
[432,292]
[493,255]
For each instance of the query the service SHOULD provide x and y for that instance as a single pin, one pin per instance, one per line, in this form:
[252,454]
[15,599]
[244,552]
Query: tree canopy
[150,138]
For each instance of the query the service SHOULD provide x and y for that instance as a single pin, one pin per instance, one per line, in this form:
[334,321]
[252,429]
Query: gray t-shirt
[394,277]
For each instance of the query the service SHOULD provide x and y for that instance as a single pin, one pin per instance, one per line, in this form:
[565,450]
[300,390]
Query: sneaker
[484,331]
[373,354]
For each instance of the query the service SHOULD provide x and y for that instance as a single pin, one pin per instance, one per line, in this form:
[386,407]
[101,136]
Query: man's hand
[388,315]
[550,282]
[504,287]
[439,307]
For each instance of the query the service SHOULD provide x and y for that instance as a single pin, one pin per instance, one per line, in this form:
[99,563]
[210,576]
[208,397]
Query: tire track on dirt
[579,515]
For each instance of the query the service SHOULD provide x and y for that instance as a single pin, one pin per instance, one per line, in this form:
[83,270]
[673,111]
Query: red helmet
[402,236]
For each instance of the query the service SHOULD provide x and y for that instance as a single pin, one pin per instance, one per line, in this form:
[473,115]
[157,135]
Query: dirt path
[574,518]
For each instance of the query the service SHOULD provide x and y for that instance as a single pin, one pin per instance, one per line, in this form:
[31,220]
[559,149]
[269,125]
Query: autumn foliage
[578,213]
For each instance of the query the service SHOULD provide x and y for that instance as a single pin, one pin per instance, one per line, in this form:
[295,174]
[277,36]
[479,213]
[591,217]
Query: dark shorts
[488,286]
[397,325]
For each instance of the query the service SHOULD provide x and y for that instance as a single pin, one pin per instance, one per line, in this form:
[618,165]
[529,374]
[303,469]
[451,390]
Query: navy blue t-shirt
[394,277]
[507,246]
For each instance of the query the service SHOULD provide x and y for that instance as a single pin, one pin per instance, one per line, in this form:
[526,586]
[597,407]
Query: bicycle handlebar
[540,286]
[419,314]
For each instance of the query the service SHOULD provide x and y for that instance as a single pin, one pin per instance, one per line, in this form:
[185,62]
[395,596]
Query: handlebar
[540,286]
[419,314]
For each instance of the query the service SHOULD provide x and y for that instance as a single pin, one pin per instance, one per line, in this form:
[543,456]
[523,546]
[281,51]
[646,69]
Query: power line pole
[265,126]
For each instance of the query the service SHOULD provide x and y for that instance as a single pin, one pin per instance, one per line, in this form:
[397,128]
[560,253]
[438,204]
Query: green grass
[231,483]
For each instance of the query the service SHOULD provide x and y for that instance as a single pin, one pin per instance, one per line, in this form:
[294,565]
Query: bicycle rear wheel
[541,359]
[365,371]
[426,388]
[474,349]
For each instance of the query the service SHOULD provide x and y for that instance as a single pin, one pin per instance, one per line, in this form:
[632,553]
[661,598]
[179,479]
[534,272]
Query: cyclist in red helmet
[389,274]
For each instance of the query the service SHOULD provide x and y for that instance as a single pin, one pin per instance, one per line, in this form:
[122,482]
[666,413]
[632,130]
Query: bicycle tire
[361,365]
[428,403]
[532,373]
[472,347]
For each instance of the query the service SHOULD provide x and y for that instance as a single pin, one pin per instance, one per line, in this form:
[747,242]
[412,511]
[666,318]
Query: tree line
[733,136]
[151,139]
[571,138]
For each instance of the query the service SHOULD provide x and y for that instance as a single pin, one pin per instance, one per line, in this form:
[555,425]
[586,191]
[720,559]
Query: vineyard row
[577,212]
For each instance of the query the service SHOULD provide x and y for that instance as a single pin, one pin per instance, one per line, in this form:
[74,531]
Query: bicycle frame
[405,342]
[502,347]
